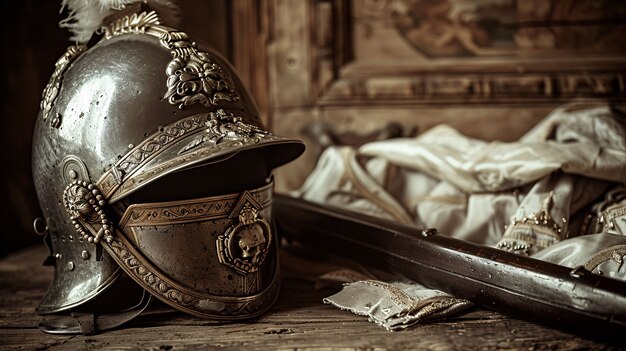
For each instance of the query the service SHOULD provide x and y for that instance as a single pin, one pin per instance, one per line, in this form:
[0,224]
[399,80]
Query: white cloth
[396,305]
[522,196]
[587,142]
[601,253]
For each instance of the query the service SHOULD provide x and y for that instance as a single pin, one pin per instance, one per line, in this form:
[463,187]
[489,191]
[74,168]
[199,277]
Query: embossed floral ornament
[193,77]
[83,202]
[77,200]
[222,127]
[231,127]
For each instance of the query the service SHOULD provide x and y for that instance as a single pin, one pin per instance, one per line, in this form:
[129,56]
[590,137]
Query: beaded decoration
[84,203]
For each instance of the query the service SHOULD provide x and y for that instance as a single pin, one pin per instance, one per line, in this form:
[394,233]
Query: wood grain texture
[299,321]
[373,61]
[250,28]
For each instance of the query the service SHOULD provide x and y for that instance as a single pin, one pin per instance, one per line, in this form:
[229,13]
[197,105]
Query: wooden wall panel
[290,55]
[492,68]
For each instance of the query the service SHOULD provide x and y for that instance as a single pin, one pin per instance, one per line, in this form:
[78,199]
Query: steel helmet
[153,172]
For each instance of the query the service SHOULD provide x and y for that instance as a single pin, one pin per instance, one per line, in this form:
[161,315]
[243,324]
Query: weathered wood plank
[299,321]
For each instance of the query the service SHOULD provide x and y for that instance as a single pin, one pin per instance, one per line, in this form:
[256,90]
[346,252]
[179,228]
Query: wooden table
[299,321]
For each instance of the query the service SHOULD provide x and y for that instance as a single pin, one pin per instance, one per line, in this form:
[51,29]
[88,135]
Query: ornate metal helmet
[153,172]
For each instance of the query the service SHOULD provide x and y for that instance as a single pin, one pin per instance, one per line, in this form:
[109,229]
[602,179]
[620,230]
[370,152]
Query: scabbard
[572,299]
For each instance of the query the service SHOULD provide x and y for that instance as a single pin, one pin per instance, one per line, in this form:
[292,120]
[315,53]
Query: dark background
[31,43]
[351,64]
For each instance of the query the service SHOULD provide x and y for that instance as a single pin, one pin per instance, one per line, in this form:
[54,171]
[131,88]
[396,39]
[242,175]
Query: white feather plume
[85,16]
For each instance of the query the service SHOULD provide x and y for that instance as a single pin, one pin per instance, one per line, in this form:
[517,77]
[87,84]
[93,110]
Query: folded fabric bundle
[540,196]
[396,305]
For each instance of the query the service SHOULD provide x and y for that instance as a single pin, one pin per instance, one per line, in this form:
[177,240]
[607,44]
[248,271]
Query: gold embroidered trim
[428,307]
[615,253]
[539,230]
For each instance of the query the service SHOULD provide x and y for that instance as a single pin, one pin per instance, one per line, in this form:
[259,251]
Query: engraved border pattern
[176,212]
[121,178]
[163,137]
[216,307]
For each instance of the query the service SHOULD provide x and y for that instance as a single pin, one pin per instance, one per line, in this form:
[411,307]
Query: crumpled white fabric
[523,196]
[602,253]
[396,305]
[588,142]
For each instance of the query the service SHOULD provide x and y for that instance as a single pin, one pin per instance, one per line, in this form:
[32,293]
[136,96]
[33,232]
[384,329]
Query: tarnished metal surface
[216,254]
[144,110]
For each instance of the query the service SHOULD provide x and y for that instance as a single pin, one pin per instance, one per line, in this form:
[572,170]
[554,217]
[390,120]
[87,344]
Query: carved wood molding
[467,88]
[318,65]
